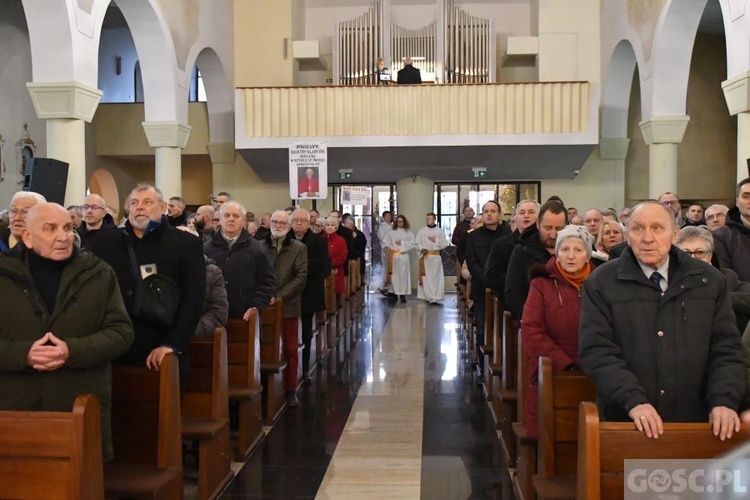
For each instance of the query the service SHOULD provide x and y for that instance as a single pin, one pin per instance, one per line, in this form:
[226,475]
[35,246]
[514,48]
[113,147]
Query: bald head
[94,211]
[49,231]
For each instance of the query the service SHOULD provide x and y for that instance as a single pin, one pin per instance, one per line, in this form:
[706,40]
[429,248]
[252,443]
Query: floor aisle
[395,415]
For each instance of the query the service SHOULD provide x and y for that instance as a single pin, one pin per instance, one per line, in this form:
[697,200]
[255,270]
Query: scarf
[576,279]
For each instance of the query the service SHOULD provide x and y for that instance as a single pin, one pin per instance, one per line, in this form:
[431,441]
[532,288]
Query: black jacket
[178,256]
[409,75]
[732,245]
[459,238]
[87,235]
[318,269]
[478,244]
[528,252]
[180,220]
[247,269]
[496,266]
[679,352]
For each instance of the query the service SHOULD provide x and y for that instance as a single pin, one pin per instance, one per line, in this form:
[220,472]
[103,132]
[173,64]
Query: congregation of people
[649,302]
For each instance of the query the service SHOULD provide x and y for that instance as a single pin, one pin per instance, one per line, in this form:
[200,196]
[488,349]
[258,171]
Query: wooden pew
[272,362]
[45,452]
[560,395]
[603,448]
[146,433]
[509,400]
[486,350]
[525,445]
[331,312]
[496,366]
[353,279]
[243,355]
[205,412]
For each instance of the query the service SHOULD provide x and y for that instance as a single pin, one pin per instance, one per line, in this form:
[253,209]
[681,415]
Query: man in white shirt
[430,241]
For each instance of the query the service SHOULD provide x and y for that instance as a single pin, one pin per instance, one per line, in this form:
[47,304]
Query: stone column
[223,155]
[663,134]
[415,199]
[168,139]
[66,106]
[613,151]
[737,95]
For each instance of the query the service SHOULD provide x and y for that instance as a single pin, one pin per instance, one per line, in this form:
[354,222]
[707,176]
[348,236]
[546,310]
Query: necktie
[656,280]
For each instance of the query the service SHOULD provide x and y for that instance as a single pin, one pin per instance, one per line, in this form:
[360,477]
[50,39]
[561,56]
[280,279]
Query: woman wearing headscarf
[550,317]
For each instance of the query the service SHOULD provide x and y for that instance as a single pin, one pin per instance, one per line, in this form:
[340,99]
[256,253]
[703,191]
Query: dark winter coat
[89,315]
[215,303]
[732,245]
[459,238]
[290,265]
[679,352]
[178,256]
[496,266]
[549,328]
[528,252]
[87,236]
[247,269]
[318,269]
[739,293]
[477,249]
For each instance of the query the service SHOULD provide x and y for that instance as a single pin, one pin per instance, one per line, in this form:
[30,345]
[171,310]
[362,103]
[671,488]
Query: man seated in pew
[550,317]
[289,258]
[658,336]
[244,262]
[64,321]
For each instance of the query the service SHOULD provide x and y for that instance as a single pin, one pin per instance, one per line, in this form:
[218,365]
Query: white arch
[219,94]
[670,63]
[617,86]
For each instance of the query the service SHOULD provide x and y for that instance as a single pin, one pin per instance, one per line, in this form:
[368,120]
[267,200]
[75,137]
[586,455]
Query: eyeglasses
[698,254]
[92,207]
[15,212]
[279,223]
[670,203]
[299,221]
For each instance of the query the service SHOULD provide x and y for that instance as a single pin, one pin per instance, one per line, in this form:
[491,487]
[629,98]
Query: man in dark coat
[732,242]
[460,232]
[478,244]
[244,261]
[348,236]
[537,246]
[176,214]
[318,269]
[96,220]
[159,249]
[496,266]
[409,75]
[658,336]
[64,321]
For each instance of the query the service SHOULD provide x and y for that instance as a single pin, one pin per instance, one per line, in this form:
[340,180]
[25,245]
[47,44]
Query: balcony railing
[391,110]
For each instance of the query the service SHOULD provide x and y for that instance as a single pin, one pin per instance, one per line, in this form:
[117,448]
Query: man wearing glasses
[672,202]
[95,220]
[20,204]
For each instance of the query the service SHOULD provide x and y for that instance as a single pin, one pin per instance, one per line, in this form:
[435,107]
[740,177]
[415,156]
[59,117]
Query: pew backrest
[243,351]
[497,334]
[510,342]
[331,294]
[489,318]
[272,329]
[522,380]
[206,391]
[603,448]
[45,452]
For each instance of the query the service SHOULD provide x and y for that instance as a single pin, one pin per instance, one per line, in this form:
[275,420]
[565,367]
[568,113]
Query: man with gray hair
[176,214]
[657,333]
[20,204]
[716,216]
[289,258]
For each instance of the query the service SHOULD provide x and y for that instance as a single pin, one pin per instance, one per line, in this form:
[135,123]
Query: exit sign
[479,172]
[345,173]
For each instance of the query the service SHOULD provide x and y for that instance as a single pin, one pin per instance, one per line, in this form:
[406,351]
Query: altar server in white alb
[430,240]
[399,241]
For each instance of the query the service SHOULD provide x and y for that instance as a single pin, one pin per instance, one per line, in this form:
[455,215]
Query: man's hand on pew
[745,417]
[48,353]
[154,359]
[725,422]
[246,316]
[647,420]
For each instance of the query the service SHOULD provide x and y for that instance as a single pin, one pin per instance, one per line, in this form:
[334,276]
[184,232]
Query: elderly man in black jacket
[314,293]
[658,336]
[159,249]
[244,261]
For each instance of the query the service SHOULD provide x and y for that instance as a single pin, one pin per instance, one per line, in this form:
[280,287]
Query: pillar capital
[221,152]
[166,134]
[613,148]
[737,93]
[64,100]
[664,129]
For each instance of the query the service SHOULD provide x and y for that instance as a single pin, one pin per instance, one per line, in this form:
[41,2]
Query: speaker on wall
[47,177]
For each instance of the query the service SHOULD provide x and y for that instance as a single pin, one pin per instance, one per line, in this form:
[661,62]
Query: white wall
[117,88]
[16,108]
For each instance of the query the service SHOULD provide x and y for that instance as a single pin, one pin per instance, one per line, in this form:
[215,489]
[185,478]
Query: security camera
[576,172]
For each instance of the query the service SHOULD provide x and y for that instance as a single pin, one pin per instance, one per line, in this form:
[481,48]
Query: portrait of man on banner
[308,185]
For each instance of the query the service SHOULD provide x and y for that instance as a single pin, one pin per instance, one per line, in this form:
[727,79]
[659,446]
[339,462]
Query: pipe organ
[455,48]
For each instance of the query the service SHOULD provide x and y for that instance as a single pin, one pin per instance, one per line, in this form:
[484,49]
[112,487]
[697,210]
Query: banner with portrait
[308,171]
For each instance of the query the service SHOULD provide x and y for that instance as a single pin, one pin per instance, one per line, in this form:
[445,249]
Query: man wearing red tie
[308,186]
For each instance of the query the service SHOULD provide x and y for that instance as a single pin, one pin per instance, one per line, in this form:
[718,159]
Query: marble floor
[393,413]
